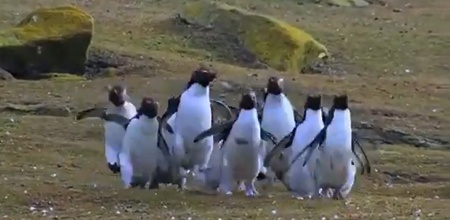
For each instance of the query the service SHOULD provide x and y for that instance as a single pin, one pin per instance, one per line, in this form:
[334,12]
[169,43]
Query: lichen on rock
[47,40]
[274,42]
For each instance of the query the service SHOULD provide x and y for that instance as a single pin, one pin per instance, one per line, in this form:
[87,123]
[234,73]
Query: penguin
[335,166]
[114,133]
[277,117]
[145,127]
[298,179]
[142,148]
[193,115]
[241,149]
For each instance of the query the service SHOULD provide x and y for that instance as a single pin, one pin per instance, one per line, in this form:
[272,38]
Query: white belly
[243,159]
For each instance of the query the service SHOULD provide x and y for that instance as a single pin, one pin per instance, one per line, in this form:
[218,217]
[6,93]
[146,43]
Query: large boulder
[47,40]
[274,42]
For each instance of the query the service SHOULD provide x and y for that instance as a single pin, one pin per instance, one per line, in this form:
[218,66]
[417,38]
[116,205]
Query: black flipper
[172,108]
[222,136]
[266,136]
[91,113]
[169,128]
[214,130]
[118,119]
[284,143]
[162,144]
[318,141]
[325,113]
[297,117]
[366,165]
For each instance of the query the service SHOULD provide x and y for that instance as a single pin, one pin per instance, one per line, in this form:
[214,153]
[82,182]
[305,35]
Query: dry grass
[55,162]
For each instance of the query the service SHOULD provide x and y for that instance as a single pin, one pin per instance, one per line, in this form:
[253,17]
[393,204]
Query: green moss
[63,77]
[47,23]
[278,44]
[47,40]
[8,38]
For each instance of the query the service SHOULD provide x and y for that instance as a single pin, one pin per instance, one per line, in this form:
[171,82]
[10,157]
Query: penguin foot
[301,196]
[250,190]
[224,191]
[326,192]
[250,193]
[338,195]
[115,168]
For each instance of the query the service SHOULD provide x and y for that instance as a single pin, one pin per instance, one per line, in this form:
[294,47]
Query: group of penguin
[313,155]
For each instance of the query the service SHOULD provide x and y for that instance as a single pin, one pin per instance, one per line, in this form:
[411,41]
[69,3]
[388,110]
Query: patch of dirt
[371,2]
[377,135]
[37,109]
[397,177]
[102,62]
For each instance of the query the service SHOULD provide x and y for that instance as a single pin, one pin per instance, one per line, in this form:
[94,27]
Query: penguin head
[313,102]
[248,101]
[149,107]
[275,85]
[340,102]
[116,95]
[202,76]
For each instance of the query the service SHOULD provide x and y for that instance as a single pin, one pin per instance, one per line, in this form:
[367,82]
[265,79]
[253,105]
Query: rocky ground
[392,60]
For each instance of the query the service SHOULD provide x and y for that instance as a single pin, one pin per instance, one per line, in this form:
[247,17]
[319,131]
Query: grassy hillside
[392,61]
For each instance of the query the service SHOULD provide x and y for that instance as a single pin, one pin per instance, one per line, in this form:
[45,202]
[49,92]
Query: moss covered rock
[274,42]
[47,40]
